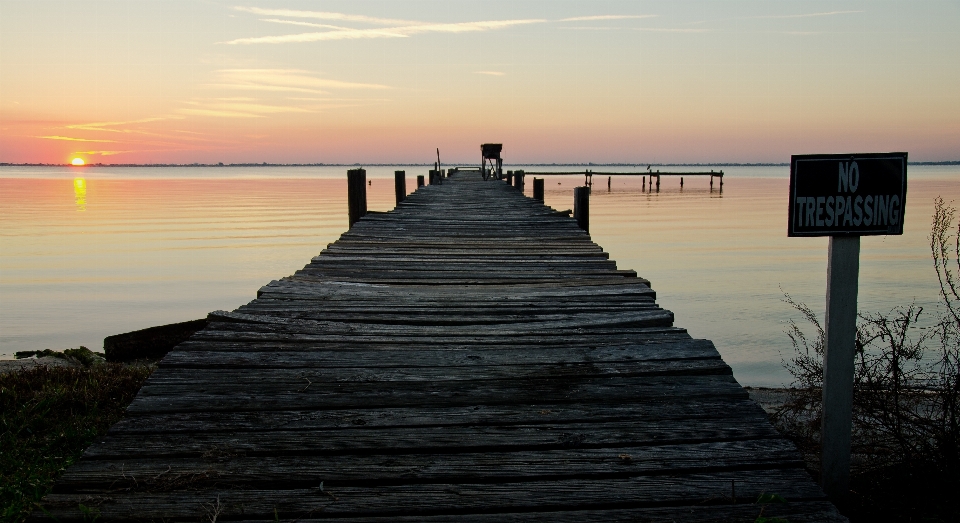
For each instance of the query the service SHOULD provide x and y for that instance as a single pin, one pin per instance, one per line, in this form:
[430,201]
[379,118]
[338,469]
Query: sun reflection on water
[80,193]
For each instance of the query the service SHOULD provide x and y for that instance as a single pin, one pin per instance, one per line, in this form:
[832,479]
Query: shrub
[906,394]
[48,416]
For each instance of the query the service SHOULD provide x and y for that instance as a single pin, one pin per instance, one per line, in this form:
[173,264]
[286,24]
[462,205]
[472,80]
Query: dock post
[681,182]
[840,334]
[658,183]
[419,181]
[538,189]
[581,207]
[356,194]
[518,180]
[509,177]
[645,183]
[400,184]
[608,182]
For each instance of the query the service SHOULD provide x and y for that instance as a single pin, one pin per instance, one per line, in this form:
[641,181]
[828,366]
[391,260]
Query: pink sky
[155,82]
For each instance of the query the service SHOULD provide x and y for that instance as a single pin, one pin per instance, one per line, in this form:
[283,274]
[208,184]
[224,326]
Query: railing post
[581,207]
[419,181]
[538,189]
[400,185]
[356,194]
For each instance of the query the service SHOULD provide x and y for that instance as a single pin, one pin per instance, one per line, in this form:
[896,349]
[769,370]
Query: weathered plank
[173,498]
[663,411]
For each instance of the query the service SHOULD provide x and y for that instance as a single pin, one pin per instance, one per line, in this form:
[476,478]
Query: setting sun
[77,161]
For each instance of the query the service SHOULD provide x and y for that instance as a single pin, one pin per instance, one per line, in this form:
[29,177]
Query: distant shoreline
[590,164]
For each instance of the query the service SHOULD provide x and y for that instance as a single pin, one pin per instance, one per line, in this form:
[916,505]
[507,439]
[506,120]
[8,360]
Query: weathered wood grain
[681,492]
[663,411]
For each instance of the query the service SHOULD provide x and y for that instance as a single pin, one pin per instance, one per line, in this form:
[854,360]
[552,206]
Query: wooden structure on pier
[429,366]
[490,154]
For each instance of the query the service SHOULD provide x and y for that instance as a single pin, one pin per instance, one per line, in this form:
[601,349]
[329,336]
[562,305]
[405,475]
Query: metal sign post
[844,197]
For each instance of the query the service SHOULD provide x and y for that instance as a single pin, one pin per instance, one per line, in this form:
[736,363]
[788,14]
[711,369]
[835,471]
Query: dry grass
[49,416]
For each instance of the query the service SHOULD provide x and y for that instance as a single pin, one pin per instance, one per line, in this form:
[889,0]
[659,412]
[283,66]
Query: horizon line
[534,164]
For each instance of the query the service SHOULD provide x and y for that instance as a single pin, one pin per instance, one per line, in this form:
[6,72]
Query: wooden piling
[538,189]
[609,182]
[509,177]
[518,180]
[356,194]
[400,185]
[581,207]
[419,181]
[681,182]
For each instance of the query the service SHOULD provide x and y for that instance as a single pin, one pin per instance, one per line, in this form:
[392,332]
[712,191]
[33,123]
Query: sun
[78,161]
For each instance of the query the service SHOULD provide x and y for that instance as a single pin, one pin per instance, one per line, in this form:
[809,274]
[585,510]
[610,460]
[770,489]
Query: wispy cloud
[112,127]
[773,17]
[403,30]
[808,15]
[284,80]
[670,30]
[70,139]
[592,28]
[604,17]
[260,87]
[220,108]
[390,28]
[304,24]
[323,15]
[101,153]
[491,73]
[219,113]
[328,99]
[347,34]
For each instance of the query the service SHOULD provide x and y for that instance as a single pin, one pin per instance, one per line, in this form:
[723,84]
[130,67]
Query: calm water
[85,253]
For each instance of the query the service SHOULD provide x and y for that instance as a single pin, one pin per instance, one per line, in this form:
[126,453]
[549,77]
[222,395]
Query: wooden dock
[469,356]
